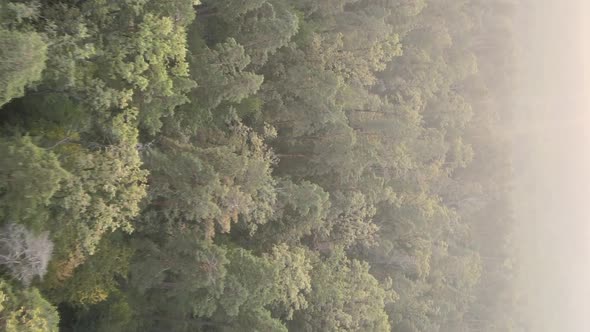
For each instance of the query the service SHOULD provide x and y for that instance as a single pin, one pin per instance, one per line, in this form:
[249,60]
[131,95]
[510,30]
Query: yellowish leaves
[65,268]
[93,295]
[24,310]
[292,277]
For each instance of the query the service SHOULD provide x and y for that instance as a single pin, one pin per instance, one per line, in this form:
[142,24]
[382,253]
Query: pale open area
[552,188]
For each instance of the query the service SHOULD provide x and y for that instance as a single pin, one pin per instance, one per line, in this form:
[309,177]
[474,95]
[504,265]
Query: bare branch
[25,254]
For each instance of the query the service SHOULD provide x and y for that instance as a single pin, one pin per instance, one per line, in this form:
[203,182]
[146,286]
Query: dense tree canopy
[257,165]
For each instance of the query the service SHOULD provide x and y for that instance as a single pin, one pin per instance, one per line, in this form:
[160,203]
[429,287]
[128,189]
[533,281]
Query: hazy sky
[552,194]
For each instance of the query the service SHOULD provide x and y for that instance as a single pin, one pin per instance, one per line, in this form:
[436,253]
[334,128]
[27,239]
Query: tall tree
[23,57]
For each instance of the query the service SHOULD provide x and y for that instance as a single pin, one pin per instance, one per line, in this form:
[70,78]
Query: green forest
[256,165]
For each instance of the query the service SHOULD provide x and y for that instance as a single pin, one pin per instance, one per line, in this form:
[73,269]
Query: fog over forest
[294,165]
[552,164]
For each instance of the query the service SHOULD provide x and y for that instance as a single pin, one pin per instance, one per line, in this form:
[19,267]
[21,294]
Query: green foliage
[18,14]
[158,69]
[258,165]
[113,315]
[30,178]
[262,27]
[219,284]
[222,71]
[351,220]
[213,186]
[302,97]
[301,210]
[182,271]
[120,54]
[106,188]
[344,297]
[24,310]
[231,9]
[94,281]
[23,57]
